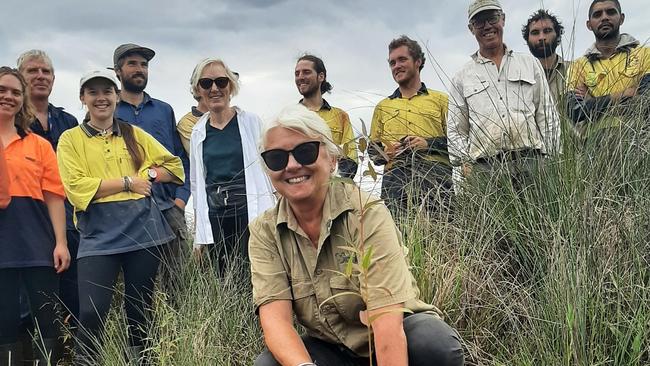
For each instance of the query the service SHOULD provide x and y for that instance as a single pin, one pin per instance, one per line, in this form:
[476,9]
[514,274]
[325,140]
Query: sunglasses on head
[221,82]
[305,154]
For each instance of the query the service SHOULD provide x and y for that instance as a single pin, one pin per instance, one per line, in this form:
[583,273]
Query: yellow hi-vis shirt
[86,157]
[423,115]
[342,133]
[605,76]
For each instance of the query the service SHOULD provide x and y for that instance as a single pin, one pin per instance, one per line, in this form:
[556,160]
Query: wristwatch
[152,174]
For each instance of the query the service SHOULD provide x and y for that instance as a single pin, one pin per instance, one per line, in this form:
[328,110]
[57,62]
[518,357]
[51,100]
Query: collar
[337,201]
[325,104]
[196,112]
[92,132]
[398,94]
[626,43]
[478,58]
[145,99]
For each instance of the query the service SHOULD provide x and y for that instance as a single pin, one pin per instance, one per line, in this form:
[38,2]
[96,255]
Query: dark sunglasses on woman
[305,154]
[221,82]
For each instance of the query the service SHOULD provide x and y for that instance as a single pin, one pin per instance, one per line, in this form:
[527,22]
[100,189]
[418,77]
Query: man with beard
[408,135]
[614,69]
[543,34]
[502,114]
[131,63]
[311,80]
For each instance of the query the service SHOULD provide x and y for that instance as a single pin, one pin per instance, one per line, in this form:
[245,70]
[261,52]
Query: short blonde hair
[198,70]
[300,119]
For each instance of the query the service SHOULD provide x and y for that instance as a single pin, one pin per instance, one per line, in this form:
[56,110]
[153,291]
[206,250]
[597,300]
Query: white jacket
[259,191]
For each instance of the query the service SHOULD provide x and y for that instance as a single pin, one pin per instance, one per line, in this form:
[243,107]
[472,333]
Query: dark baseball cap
[130,48]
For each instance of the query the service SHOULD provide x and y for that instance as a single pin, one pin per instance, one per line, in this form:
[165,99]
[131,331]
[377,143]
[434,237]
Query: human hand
[61,257]
[197,253]
[180,203]
[392,150]
[627,93]
[414,142]
[581,91]
[140,186]
[466,169]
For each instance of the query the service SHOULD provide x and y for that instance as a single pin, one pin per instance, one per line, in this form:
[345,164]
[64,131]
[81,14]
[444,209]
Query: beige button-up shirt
[286,266]
[496,110]
[556,78]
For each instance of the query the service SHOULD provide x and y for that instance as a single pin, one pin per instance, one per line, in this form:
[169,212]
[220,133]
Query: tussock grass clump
[551,271]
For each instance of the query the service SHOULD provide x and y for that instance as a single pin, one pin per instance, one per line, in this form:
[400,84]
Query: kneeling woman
[297,248]
[33,246]
[107,167]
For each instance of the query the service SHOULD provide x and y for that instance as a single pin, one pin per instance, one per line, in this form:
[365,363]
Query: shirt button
[319,272]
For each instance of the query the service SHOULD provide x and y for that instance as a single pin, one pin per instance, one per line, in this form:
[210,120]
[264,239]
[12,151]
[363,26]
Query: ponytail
[132,145]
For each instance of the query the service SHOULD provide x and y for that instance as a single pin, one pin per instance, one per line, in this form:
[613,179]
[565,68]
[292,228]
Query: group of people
[82,202]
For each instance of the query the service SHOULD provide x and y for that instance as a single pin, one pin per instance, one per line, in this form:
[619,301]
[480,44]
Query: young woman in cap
[228,183]
[107,167]
[33,247]
[298,257]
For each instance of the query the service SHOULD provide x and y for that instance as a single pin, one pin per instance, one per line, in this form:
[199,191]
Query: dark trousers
[42,289]
[175,252]
[417,183]
[69,291]
[230,242]
[430,341]
[97,278]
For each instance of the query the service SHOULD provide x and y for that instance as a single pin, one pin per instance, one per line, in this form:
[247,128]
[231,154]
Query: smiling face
[307,80]
[605,20]
[216,99]
[402,66]
[39,76]
[299,183]
[487,27]
[100,97]
[11,96]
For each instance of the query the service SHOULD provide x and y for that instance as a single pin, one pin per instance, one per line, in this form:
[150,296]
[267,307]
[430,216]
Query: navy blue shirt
[157,118]
[58,121]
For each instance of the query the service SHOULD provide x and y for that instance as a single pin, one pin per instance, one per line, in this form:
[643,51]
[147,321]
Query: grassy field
[557,273]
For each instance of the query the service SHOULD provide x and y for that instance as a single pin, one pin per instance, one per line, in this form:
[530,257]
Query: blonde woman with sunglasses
[229,186]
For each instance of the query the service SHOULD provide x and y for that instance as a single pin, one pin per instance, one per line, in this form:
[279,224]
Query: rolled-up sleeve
[389,278]
[157,155]
[80,188]
[269,278]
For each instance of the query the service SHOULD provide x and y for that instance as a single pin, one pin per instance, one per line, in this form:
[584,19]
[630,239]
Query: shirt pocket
[521,92]
[29,175]
[475,90]
[346,298]
[303,301]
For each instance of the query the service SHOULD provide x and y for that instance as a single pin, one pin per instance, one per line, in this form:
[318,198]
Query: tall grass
[556,273]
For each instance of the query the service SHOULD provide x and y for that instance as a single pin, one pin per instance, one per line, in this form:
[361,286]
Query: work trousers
[430,341]
[97,278]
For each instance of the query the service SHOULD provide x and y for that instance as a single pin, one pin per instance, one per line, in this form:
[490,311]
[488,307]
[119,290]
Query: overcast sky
[261,39]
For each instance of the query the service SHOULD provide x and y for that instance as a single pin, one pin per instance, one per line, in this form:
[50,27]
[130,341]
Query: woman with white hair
[299,252]
[228,183]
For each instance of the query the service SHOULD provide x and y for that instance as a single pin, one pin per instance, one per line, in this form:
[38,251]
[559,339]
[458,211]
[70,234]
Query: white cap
[477,6]
[104,74]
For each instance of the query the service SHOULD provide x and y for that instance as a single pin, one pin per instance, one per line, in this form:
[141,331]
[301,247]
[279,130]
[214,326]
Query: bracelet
[125,184]
[307,364]
[129,184]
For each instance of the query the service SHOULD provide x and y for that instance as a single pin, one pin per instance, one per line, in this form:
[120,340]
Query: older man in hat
[501,112]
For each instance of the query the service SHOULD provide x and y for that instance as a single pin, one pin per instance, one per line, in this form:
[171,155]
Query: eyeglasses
[481,23]
[221,82]
[305,154]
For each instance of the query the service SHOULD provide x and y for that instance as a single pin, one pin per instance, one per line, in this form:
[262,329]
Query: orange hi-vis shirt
[4,179]
[26,232]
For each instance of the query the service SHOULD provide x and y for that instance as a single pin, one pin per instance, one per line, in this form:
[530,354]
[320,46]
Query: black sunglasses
[305,154]
[221,82]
